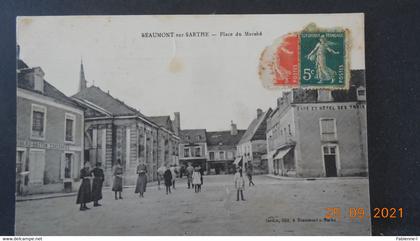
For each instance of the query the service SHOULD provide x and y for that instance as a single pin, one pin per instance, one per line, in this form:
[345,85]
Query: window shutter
[74,166]
[62,165]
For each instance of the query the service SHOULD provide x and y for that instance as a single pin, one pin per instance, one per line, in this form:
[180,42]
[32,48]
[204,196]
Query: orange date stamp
[359,213]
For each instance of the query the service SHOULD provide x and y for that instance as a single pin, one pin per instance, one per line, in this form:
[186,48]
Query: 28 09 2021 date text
[363,213]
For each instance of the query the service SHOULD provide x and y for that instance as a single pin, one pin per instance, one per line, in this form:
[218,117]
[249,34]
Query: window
[222,155]
[186,152]
[198,152]
[328,129]
[198,137]
[211,155]
[230,155]
[38,122]
[290,130]
[69,127]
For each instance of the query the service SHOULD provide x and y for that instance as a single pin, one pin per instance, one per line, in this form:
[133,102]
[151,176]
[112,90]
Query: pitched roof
[256,130]
[216,138]
[193,135]
[163,121]
[49,89]
[106,101]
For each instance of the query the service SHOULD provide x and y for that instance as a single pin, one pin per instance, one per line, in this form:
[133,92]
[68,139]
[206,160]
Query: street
[214,211]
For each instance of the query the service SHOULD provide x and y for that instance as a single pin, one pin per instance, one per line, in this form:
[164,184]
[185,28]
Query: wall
[54,144]
[351,138]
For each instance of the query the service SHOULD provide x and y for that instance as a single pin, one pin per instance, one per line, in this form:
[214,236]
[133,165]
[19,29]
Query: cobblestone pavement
[214,211]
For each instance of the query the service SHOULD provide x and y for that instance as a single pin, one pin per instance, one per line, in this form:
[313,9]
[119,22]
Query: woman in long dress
[318,54]
[117,184]
[141,180]
[98,180]
[85,194]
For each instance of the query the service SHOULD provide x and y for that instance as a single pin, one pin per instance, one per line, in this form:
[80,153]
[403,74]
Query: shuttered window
[38,121]
[328,129]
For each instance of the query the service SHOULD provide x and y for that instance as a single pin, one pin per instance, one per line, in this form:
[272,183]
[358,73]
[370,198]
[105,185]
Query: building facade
[252,148]
[193,148]
[221,147]
[49,150]
[115,131]
[319,133]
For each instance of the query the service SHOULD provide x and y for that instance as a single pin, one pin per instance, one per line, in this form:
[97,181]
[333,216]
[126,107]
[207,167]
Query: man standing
[189,172]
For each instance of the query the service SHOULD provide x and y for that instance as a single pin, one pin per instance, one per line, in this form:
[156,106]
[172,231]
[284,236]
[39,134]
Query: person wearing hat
[98,180]
[239,184]
[141,180]
[196,180]
[189,171]
[117,184]
[84,194]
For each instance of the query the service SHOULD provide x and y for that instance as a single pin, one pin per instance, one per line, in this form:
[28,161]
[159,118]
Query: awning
[281,153]
[237,160]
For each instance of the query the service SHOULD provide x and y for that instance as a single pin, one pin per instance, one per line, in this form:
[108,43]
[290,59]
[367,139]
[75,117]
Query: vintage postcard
[191,125]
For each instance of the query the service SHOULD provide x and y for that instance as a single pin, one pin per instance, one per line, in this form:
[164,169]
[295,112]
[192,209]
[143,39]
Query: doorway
[330,160]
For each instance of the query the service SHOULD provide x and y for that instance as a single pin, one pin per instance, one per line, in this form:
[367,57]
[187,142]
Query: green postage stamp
[323,59]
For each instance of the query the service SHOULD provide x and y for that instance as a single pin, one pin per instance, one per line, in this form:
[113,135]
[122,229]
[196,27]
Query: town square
[214,211]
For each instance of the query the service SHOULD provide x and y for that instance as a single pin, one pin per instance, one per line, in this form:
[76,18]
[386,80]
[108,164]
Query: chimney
[233,129]
[324,96]
[259,112]
[177,123]
[35,76]
[361,93]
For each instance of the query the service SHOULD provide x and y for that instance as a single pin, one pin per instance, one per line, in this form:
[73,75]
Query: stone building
[49,140]
[113,130]
[252,148]
[221,148]
[168,145]
[319,133]
[193,148]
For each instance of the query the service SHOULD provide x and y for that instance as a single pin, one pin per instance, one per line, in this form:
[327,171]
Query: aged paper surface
[192,125]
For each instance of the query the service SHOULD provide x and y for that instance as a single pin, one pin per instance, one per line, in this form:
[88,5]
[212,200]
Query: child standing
[196,180]
[239,184]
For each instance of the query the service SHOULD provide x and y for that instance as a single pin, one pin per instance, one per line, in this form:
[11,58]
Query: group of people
[194,177]
[88,193]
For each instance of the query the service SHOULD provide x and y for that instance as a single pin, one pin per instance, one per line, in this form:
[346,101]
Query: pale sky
[210,81]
